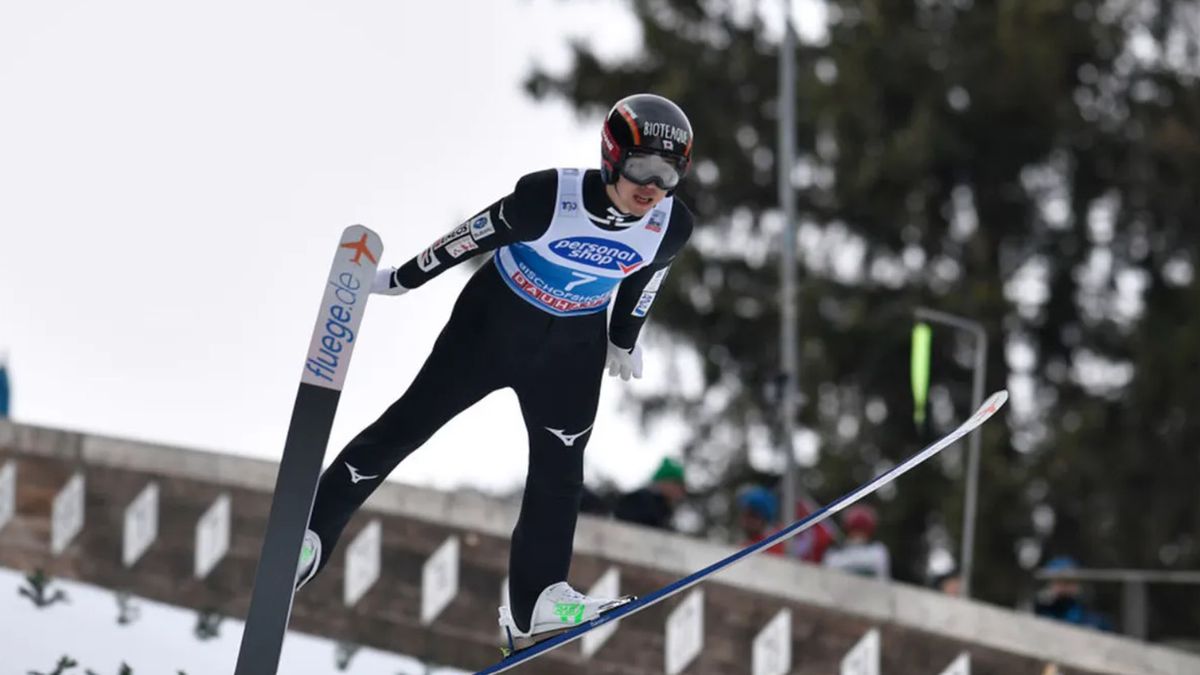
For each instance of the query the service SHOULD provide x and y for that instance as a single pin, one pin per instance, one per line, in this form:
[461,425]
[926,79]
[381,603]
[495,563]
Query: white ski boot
[310,558]
[557,609]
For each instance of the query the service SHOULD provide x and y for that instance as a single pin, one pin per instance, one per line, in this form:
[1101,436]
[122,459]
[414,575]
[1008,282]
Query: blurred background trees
[1032,164]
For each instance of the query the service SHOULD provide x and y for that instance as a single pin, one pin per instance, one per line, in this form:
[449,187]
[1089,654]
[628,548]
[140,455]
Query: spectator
[948,582]
[1062,598]
[596,503]
[4,393]
[811,544]
[861,554]
[655,504]
[758,510]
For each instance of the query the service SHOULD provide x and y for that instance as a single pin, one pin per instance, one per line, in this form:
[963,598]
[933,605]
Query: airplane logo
[360,249]
[355,476]
[567,439]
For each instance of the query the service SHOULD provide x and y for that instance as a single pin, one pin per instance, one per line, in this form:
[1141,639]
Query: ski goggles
[646,168]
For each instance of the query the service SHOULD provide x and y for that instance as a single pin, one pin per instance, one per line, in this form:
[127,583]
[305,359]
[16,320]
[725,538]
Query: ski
[989,408]
[325,366]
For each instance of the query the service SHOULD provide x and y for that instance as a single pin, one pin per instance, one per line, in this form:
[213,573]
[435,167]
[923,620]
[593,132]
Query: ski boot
[558,608]
[310,558]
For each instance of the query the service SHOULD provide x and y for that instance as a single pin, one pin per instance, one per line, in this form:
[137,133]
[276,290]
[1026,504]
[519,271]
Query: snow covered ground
[161,641]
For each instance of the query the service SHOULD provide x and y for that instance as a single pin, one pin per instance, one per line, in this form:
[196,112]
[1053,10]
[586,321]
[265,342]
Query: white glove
[385,282]
[624,362]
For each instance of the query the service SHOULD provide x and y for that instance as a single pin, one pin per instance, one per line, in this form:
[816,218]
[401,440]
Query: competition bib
[575,267]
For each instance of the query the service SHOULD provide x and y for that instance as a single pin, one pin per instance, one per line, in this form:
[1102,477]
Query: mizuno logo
[567,439]
[355,476]
[612,218]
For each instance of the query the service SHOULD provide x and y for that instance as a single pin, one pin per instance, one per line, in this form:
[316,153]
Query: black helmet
[650,128]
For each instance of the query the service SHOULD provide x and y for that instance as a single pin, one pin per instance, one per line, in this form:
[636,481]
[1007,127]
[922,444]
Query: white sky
[34,639]
[174,178]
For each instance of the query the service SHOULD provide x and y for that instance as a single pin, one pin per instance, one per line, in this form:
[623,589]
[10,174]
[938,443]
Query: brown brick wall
[465,634]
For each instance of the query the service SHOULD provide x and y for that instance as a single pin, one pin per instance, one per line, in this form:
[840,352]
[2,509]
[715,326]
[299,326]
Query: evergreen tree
[1033,165]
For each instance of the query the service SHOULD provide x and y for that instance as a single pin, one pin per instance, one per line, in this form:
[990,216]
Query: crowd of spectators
[848,543]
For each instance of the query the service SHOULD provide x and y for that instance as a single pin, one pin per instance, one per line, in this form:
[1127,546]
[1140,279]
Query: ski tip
[359,228]
[997,399]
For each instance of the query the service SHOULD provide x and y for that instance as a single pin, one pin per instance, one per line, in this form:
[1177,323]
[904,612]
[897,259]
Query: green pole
[922,338]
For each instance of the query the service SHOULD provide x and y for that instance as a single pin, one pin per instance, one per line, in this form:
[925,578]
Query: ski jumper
[532,319]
